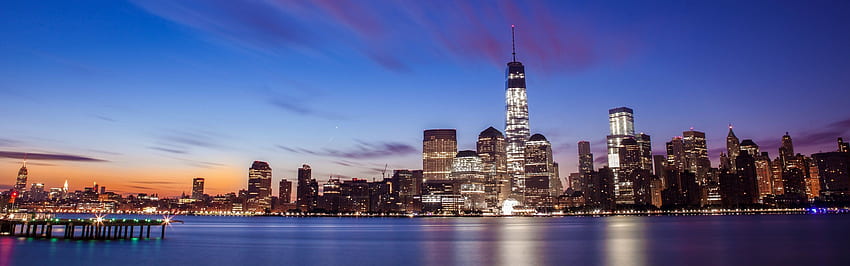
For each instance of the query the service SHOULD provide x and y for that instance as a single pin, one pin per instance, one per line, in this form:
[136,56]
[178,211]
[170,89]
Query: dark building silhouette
[733,148]
[409,187]
[740,189]
[307,192]
[834,174]
[843,146]
[285,191]
[599,192]
[21,181]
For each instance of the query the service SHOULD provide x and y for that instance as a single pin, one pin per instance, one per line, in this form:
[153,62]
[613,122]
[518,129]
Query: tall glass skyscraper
[516,122]
[198,188]
[491,150]
[622,124]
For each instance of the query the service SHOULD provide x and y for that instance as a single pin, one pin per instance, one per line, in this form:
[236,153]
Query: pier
[84,229]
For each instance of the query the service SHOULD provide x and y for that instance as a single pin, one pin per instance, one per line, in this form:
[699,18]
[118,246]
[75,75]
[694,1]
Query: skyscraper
[198,188]
[284,191]
[439,147]
[516,121]
[491,148]
[409,187]
[21,181]
[621,122]
[467,170]
[834,173]
[259,186]
[676,154]
[787,148]
[630,163]
[696,153]
[307,192]
[585,157]
[733,148]
[541,182]
[748,145]
[645,144]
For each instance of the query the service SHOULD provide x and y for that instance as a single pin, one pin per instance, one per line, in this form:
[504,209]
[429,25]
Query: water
[626,240]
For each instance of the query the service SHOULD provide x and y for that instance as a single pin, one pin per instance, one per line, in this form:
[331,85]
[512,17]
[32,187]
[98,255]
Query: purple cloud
[48,156]
[395,34]
[363,150]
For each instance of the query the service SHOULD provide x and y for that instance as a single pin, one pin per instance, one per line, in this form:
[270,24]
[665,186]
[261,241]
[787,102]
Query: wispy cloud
[397,34]
[363,150]
[48,156]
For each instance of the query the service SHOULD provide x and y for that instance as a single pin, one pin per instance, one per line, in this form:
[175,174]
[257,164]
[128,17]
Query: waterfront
[616,240]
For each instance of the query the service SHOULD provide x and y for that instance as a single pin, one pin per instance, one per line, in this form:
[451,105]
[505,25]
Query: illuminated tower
[197,188]
[622,124]
[21,182]
[786,151]
[733,148]
[676,154]
[516,120]
[491,149]
[645,143]
[260,185]
[696,153]
[439,147]
[585,166]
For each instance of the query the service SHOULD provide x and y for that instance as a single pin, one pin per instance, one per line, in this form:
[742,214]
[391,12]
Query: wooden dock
[84,229]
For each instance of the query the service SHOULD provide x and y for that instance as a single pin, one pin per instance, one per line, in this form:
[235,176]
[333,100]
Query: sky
[142,96]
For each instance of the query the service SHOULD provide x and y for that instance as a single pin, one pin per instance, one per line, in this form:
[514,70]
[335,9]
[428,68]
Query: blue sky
[162,91]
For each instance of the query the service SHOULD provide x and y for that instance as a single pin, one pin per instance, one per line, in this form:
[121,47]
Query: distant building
[439,147]
[676,154]
[259,186]
[198,188]
[285,191]
[409,183]
[599,193]
[307,192]
[645,144]
[733,148]
[21,181]
[696,153]
[834,174]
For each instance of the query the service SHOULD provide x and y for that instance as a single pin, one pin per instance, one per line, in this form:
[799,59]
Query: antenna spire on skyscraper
[513,42]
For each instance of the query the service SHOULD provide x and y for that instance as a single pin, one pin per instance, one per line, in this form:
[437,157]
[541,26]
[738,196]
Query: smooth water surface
[622,240]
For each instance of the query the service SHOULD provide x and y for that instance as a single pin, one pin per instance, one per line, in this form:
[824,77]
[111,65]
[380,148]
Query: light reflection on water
[628,240]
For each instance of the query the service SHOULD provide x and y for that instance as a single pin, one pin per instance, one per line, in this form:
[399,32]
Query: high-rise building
[307,192]
[696,153]
[599,192]
[541,183]
[585,157]
[630,163]
[284,191]
[198,188]
[491,148]
[517,128]
[733,148]
[467,170]
[21,181]
[659,162]
[259,186]
[787,148]
[765,182]
[834,173]
[645,144]
[676,154]
[622,125]
[439,147]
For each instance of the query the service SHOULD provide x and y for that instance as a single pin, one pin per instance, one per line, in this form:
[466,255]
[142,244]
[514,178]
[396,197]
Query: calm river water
[621,240]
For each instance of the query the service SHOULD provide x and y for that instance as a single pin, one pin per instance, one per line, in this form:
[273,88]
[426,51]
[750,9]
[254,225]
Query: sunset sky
[142,96]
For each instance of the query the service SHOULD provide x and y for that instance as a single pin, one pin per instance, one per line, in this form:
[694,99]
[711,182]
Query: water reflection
[518,242]
[7,247]
[625,240]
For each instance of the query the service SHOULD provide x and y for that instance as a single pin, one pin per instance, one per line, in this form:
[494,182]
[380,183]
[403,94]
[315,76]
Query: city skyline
[131,147]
